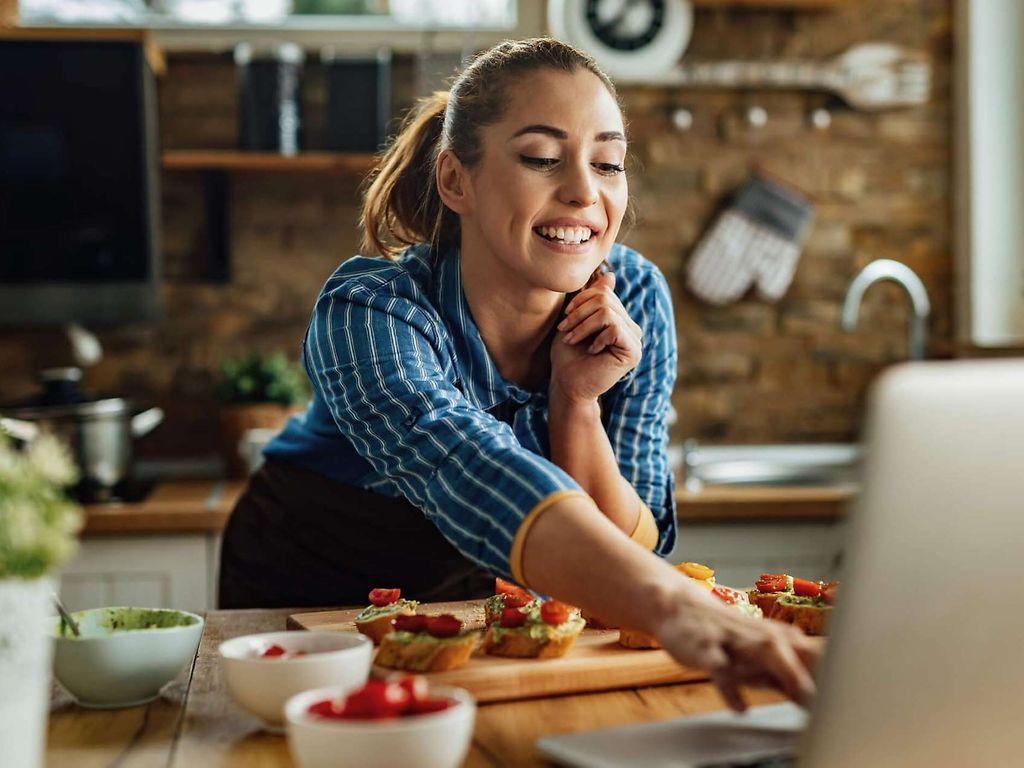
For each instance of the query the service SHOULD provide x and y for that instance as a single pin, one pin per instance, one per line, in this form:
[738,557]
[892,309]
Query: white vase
[26,653]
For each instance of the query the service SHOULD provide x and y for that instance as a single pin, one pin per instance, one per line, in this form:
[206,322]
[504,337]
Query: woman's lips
[558,247]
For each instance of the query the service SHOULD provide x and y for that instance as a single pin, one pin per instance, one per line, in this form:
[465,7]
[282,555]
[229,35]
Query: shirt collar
[482,382]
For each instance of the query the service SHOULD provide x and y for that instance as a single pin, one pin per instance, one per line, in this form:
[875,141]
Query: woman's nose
[579,187]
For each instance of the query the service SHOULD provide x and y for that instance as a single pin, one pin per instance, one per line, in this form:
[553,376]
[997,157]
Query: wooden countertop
[195,724]
[203,506]
[180,506]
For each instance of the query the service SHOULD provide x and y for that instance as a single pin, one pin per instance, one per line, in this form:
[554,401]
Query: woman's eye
[541,162]
[609,169]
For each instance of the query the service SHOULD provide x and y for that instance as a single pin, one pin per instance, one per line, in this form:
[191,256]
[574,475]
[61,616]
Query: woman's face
[554,161]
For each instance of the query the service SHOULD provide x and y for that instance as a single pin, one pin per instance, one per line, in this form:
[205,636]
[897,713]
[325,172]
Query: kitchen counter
[204,505]
[181,506]
[195,724]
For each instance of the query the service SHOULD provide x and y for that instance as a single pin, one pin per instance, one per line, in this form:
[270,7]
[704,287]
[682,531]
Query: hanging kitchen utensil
[868,76]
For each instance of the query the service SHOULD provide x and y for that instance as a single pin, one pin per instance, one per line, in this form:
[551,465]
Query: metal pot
[99,431]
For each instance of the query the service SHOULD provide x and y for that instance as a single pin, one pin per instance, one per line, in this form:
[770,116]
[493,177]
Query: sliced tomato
[805,588]
[512,618]
[444,625]
[502,587]
[382,597]
[726,595]
[427,706]
[828,592]
[772,582]
[416,685]
[553,612]
[377,700]
[327,708]
[516,600]
[273,651]
[414,623]
[697,571]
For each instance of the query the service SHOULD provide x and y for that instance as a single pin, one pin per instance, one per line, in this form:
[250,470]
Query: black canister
[270,98]
[358,99]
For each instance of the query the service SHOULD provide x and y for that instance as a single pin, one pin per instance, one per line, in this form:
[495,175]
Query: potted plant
[37,533]
[257,392]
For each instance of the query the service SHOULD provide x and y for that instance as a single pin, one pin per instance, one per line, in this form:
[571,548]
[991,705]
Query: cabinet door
[165,571]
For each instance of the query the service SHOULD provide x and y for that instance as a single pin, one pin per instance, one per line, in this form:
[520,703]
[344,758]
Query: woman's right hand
[738,650]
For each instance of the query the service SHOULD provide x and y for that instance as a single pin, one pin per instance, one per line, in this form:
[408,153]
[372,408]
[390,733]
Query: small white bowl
[262,686]
[125,655]
[436,740]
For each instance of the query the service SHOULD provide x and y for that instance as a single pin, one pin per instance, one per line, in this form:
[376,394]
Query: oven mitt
[756,240]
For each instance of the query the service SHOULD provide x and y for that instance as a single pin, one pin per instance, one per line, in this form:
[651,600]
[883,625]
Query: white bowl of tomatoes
[397,721]
[263,671]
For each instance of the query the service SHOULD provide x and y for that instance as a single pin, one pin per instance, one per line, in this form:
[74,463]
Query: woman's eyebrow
[558,133]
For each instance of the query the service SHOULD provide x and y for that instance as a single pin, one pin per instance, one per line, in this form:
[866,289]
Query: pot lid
[62,396]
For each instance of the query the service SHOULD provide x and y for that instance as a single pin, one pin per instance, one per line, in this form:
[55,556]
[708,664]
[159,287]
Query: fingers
[730,690]
[596,285]
[779,658]
[595,322]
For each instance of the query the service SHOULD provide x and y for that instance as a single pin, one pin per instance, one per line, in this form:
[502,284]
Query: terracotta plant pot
[235,420]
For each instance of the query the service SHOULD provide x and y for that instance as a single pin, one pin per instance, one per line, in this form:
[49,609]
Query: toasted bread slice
[764,600]
[425,653]
[634,638]
[811,619]
[521,646]
[375,629]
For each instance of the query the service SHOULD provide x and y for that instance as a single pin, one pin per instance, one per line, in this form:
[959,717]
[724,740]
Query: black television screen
[78,182]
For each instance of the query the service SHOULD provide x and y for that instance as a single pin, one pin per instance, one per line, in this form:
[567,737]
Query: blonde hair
[401,202]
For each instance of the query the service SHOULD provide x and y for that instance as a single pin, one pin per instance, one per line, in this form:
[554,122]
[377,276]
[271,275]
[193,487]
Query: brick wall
[749,372]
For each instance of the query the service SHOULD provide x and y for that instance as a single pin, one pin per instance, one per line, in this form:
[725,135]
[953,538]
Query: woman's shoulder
[399,287]
[409,271]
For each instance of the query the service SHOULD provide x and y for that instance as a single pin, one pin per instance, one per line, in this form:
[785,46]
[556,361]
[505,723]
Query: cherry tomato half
[382,597]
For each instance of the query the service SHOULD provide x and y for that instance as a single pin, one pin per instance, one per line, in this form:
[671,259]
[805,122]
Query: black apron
[299,539]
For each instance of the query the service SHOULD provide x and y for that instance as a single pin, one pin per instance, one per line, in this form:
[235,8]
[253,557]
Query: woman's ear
[453,184]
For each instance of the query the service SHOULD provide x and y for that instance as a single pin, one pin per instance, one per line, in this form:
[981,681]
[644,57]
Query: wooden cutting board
[596,662]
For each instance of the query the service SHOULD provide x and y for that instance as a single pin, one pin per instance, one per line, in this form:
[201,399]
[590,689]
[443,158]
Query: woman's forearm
[574,552]
[579,445]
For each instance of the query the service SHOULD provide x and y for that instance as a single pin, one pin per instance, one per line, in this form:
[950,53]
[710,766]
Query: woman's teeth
[571,235]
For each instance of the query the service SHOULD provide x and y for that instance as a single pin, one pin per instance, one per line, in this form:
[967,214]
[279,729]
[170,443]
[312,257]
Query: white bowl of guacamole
[124,655]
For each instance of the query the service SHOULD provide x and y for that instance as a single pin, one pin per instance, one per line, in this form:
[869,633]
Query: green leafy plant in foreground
[38,523]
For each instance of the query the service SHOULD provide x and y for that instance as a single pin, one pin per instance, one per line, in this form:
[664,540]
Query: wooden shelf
[792,5]
[234,160]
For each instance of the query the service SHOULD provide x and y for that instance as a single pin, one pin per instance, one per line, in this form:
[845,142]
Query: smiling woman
[492,399]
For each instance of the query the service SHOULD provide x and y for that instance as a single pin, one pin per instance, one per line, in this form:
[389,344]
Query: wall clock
[630,39]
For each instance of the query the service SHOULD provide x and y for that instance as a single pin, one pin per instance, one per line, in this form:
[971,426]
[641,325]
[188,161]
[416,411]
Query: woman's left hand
[597,343]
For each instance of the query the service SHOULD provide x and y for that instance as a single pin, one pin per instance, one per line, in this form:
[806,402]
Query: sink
[809,464]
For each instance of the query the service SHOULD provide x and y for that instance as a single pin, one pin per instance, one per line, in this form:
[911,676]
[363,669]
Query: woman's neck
[514,319]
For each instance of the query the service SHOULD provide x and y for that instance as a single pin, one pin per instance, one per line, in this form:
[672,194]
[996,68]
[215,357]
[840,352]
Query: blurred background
[179,177]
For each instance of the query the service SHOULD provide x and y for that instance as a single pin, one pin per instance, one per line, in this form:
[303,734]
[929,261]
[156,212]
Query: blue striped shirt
[408,403]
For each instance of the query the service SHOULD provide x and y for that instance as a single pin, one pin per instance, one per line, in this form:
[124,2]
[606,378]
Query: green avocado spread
[110,620]
[371,612]
[536,628]
[407,637]
[794,600]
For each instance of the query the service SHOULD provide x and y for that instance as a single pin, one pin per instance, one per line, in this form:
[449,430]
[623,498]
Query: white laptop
[925,665]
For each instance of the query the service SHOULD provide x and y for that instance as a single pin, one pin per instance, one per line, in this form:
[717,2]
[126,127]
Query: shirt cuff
[515,557]
[646,532]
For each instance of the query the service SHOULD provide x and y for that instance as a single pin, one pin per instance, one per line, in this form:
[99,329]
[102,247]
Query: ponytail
[401,202]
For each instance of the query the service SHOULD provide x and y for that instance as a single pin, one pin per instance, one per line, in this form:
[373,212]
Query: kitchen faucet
[887,269]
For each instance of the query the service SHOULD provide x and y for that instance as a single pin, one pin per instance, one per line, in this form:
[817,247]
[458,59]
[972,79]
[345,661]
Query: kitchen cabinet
[166,570]
[741,551]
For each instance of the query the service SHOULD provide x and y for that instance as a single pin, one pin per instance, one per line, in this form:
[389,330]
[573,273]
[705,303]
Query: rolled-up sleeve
[636,411]
[377,360]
